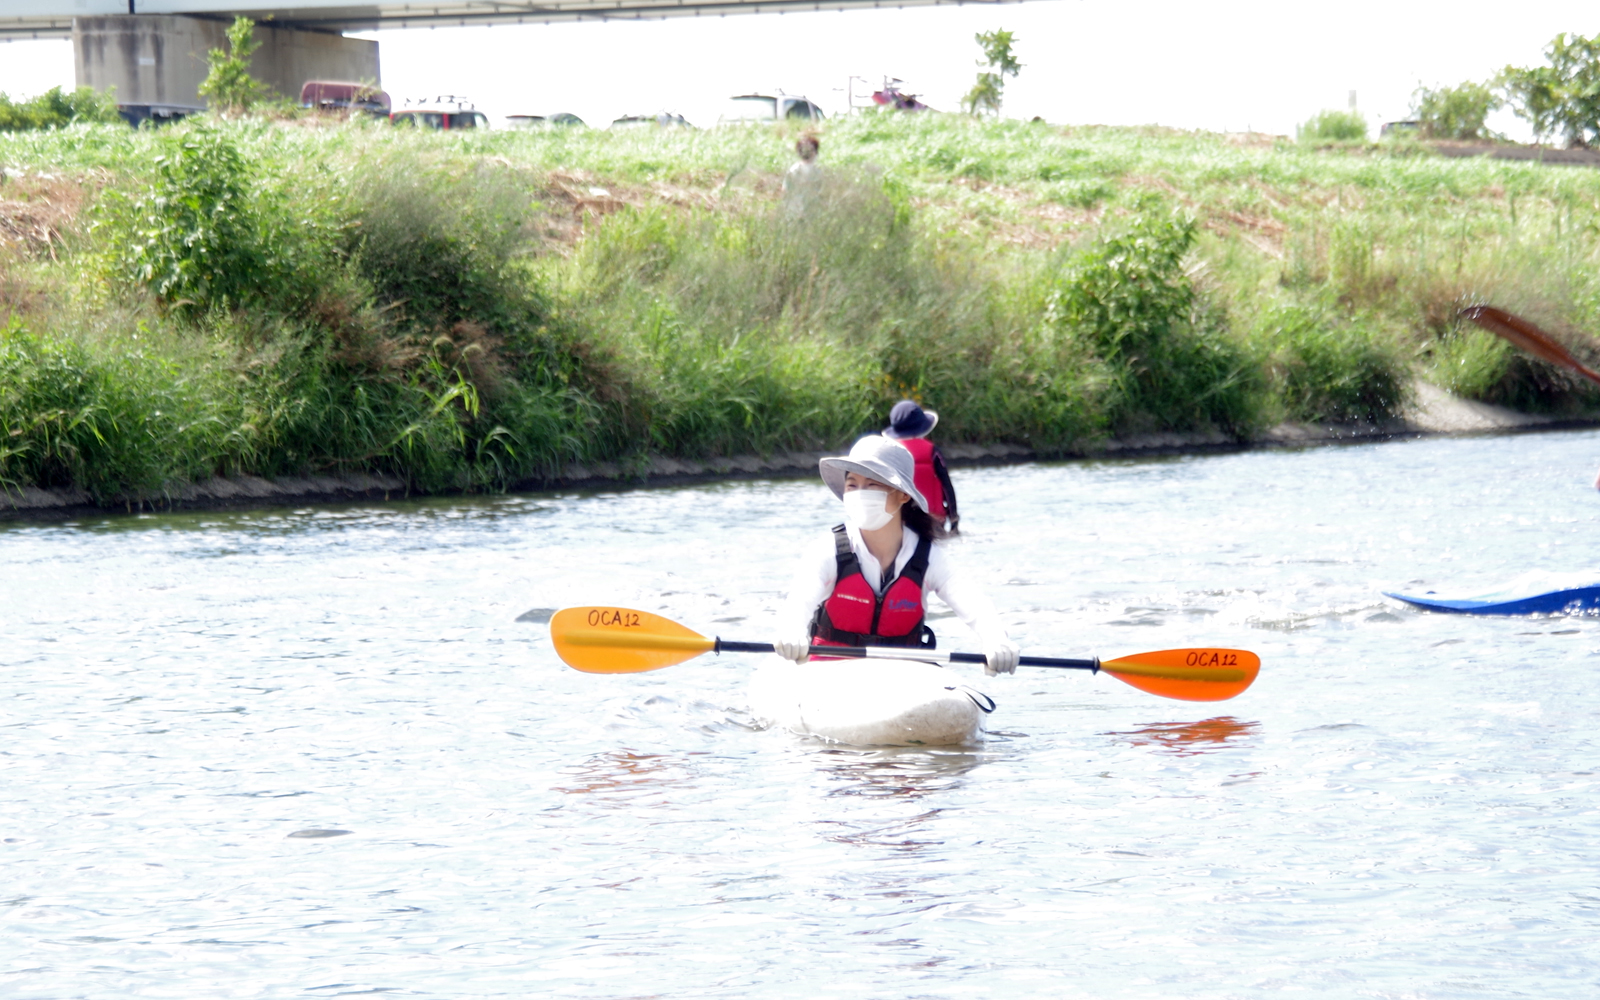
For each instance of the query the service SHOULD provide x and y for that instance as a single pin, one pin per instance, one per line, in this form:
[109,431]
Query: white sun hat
[880,459]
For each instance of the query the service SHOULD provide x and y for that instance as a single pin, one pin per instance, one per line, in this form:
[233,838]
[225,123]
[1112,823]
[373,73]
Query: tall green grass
[472,311]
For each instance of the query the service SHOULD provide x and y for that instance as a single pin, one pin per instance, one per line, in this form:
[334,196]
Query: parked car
[663,120]
[1400,128]
[539,121]
[749,109]
[447,112]
[157,114]
[331,95]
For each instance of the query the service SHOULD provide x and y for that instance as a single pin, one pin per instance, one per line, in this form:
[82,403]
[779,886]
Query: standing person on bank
[910,424]
[802,184]
[866,584]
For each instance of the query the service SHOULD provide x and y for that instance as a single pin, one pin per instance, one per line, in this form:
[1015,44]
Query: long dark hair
[922,522]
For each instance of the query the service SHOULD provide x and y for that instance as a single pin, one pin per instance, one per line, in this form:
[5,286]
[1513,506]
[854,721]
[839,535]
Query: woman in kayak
[910,424]
[866,583]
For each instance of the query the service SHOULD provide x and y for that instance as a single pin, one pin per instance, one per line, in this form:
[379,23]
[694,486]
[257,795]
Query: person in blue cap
[910,424]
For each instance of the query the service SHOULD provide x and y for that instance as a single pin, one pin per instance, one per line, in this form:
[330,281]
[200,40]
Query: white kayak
[878,702]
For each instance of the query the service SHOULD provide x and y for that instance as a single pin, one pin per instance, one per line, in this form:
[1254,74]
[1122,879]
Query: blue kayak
[1534,594]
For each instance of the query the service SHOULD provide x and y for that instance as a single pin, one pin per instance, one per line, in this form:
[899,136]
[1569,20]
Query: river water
[314,753]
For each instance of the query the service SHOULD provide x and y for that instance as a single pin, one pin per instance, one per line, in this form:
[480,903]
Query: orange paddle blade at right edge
[611,640]
[1530,338]
[1194,674]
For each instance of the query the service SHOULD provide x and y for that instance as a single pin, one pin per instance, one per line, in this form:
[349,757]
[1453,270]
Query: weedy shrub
[714,395]
[209,233]
[1470,363]
[844,261]
[1130,299]
[443,250]
[126,422]
[1351,265]
[384,324]
[1455,112]
[320,415]
[1305,258]
[1039,386]
[438,241]
[980,354]
[1475,364]
[860,306]
[57,108]
[768,328]
[1327,366]
[1082,193]
[1333,126]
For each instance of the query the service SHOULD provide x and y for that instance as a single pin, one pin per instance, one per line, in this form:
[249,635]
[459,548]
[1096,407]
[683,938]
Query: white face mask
[867,509]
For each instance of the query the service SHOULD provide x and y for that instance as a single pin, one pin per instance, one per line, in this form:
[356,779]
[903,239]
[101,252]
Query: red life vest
[925,477]
[855,616]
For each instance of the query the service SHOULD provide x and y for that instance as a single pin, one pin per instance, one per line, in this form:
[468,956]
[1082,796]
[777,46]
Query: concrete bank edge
[1432,412]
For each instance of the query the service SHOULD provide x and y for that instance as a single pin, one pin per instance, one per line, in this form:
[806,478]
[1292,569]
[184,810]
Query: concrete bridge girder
[154,51]
[157,59]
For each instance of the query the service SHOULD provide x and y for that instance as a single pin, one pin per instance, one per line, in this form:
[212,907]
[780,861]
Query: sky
[1228,65]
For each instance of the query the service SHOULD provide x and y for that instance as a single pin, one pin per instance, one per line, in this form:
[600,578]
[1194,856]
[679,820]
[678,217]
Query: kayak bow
[1533,594]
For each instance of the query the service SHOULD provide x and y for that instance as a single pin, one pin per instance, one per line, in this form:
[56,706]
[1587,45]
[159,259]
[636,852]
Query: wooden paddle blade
[1199,674]
[1530,338]
[613,640]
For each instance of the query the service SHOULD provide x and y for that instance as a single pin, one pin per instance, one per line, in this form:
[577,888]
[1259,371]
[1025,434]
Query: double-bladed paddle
[606,640]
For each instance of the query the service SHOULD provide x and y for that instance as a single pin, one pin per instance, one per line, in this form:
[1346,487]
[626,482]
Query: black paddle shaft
[1060,663]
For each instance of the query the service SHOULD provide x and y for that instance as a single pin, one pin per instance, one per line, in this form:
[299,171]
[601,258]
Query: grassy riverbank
[472,311]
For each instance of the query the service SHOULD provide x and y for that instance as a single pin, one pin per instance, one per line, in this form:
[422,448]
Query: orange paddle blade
[609,640]
[1206,674]
[1528,337]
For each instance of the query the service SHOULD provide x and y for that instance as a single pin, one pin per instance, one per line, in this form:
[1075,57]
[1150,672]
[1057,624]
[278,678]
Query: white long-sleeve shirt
[818,571]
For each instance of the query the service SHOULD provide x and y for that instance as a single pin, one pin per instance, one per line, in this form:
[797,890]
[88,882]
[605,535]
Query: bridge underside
[152,53]
[49,19]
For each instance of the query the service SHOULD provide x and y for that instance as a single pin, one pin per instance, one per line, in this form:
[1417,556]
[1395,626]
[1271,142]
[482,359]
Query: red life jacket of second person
[855,616]
[926,477]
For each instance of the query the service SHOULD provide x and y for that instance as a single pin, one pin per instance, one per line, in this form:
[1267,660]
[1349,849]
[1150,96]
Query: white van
[748,109]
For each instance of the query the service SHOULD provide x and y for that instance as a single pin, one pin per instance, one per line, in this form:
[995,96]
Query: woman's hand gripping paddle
[624,641]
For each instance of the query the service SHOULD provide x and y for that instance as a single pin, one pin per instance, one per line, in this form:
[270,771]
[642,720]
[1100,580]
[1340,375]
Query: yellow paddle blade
[1188,674]
[622,641]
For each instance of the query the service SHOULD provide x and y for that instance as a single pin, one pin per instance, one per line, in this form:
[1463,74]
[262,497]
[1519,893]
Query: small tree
[229,85]
[1455,112]
[985,95]
[1562,98]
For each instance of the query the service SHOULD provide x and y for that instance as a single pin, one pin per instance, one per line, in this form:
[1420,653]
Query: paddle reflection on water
[625,775]
[887,780]
[1188,739]
[899,835]
[896,772]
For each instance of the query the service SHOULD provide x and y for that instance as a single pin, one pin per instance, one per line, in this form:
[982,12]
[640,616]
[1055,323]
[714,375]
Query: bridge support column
[158,61]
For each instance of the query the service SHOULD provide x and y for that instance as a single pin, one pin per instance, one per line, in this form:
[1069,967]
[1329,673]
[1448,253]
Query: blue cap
[908,420]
